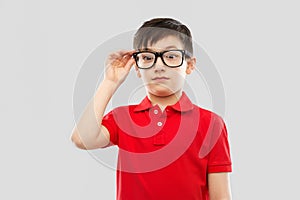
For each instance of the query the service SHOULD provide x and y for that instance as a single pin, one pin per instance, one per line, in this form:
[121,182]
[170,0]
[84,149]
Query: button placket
[158,119]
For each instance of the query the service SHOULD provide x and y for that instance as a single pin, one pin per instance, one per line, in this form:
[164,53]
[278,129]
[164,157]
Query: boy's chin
[161,90]
[161,93]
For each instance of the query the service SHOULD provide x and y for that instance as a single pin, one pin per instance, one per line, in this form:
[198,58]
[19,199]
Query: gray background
[43,45]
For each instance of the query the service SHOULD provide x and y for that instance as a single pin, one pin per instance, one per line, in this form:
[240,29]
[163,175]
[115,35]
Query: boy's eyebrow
[168,47]
[171,47]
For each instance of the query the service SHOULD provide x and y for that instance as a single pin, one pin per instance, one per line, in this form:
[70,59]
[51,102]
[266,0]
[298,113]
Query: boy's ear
[138,73]
[191,64]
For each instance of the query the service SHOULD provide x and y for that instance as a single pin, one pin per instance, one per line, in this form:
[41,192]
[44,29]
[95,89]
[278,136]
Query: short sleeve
[109,122]
[219,159]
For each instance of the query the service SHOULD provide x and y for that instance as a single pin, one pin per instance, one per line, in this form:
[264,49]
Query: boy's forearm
[219,186]
[88,127]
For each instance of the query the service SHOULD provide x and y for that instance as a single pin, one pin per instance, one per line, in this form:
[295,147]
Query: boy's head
[164,55]
[158,28]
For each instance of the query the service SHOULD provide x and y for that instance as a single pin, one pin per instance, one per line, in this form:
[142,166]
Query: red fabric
[167,155]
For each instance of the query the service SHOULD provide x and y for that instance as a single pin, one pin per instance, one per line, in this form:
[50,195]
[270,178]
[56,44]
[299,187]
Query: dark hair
[156,29]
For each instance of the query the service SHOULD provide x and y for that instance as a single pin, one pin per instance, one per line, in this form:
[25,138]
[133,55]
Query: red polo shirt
[167,155]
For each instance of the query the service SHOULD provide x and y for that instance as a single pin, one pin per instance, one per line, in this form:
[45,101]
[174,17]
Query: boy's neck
[164,101]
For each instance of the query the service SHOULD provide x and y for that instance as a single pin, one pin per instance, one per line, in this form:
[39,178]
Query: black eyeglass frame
[160,54]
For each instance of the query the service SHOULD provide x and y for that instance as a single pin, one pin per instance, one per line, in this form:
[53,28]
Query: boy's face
[161,80]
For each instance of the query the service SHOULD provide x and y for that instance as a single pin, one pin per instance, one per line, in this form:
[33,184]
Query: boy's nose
[159,65]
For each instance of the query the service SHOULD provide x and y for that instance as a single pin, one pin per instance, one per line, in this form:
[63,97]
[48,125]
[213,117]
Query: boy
[169,148]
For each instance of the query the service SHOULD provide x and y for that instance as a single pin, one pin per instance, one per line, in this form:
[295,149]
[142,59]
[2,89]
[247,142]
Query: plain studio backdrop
[45,47]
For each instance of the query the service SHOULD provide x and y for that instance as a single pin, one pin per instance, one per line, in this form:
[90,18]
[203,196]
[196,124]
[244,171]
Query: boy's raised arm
[88,133]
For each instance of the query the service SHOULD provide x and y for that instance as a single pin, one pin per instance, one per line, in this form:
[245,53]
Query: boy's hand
[118,65]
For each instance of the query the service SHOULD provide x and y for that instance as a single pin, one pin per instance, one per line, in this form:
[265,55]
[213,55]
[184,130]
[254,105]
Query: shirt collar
[184,104]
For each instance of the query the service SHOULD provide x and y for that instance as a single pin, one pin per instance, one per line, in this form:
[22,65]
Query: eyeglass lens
[172,58]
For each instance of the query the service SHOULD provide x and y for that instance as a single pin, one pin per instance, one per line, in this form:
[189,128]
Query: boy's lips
[160,78]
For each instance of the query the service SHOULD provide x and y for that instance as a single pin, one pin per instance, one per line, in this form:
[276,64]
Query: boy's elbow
[77,141]
[89,144]
[80,145]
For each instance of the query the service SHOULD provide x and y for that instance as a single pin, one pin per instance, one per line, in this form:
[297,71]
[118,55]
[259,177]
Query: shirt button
[159,124]
[155,112]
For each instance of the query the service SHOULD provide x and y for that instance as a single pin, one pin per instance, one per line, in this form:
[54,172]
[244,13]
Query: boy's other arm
[88,133]
[219,186]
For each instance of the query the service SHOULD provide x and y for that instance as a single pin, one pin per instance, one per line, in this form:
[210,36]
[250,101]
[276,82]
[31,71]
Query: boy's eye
[171,56]
[147,58]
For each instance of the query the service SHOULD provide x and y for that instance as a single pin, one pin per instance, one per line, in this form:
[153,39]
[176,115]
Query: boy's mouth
[160,78]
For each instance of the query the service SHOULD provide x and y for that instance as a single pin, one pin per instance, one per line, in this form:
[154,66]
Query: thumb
[129,64]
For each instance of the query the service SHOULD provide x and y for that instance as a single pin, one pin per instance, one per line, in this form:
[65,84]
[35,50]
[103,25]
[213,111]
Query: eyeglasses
[147,59]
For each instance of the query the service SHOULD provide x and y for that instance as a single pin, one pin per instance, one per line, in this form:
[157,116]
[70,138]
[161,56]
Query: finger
[129,64]
[118,63]
[120,58]
[131,52]
[127,57]
[125,52]
[117,54]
